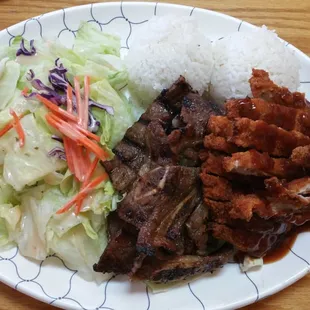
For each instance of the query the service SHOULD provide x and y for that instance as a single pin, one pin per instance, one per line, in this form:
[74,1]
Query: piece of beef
[146,143]
[156,166]
[187,141]
[173,96]
[137,134]
[156,202]
[176,231]
[158,187]
[182,267]
[196,227]
[120,253]
[121,175]
[131,155]
[157,111]
[157,144]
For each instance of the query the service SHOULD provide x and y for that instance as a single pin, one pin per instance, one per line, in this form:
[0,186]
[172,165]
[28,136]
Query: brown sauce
[284,248]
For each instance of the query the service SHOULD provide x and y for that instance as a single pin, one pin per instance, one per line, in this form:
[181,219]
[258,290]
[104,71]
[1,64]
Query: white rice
[236,55]
[165,48]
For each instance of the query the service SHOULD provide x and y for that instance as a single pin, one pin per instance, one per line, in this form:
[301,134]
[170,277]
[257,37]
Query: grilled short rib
[159,231]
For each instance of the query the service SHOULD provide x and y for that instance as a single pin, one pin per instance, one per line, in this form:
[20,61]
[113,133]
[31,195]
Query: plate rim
[246,301]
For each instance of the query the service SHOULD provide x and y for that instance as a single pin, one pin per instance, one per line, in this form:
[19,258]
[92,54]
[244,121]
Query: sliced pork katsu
[256,162]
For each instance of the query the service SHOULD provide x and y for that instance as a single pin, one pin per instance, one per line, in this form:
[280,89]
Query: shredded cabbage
[9,74]
[33,185]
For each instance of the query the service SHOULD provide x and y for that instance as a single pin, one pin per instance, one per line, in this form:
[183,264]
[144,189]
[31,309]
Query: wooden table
[290,18]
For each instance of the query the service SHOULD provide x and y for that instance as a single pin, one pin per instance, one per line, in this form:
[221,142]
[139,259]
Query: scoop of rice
[165,48]
[236,55]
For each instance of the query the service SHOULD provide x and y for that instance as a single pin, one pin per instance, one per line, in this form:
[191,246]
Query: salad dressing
[27,61]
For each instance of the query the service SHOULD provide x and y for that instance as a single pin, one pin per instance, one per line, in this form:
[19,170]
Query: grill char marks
[256,165]
[164,233]
[154,189]
[171,204]
[196,227]
[170,131]
[137,134]
[182,267]
[121,252]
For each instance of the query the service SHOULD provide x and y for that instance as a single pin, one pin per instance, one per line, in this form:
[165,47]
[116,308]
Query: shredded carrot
[19,128]
[78,206]
[69,144]
[83,193]
[87,133]
[70,131]
[25,91]
[79,163]
[78,99]
[75,159]
[78,128]
[87,178]
[78,142]
[68,151]
[65,129]
[90,172]
[95,148]
[87,159]
[6,128]
[57,109]
[69,99]
[9,126]
[86,102]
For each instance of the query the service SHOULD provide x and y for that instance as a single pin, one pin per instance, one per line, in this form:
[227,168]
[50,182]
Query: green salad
[61,112]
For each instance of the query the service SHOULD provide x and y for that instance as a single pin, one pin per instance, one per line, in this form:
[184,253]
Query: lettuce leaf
[9,218]
[113,127]
[41,231]
[91,41]
[9,75]
[34,186]
[27,165]
[81,252]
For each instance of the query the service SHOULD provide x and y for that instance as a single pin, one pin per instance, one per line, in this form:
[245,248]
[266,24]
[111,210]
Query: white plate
[52,282]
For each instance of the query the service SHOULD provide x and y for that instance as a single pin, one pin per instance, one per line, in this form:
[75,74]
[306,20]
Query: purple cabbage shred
[56,138]
[57,93]
[93,124]
[24,51]
[58,78]
[107,108]
[57,152]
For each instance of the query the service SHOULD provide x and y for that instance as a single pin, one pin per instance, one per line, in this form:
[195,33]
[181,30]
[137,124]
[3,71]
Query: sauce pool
[284,248]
